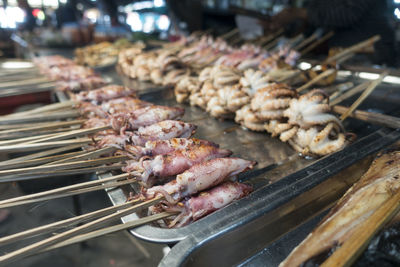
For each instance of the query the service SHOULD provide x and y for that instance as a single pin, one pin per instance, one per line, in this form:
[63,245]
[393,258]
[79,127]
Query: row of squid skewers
[159,148]
[159,153]
[183,177]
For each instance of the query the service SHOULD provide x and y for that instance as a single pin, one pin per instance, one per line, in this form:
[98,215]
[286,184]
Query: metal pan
[280,175]
[257,229]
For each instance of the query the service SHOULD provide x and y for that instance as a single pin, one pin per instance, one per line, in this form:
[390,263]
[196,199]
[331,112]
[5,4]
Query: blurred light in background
[163,23]
[92,15]
[133,20]
[11,16]
[159,3]
[149,24]
[397,13]
[39,14]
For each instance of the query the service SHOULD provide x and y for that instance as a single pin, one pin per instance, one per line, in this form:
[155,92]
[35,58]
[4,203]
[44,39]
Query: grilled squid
[163,130]
[162,167]
[104,93]
[144,117]
[196,207]
[200,177]
[162,147]
[81,84]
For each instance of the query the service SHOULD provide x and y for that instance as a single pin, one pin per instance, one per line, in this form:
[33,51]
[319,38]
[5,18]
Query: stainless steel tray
[276,176]
[258,229]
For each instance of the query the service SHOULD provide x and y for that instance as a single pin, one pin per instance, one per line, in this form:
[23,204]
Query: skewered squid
[203,204]
[162,167]
[200,177]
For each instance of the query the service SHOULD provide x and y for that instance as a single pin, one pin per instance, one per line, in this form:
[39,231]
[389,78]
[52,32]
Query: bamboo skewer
[86,155]
[312,46]
[352,248]
[41,117]
[65,189]
[371,117]
[106,186]
[35,133]
[45,145]
[64,223]
[336,98]
[59,173]
[230,34]
[63,166]
[364,95]
[112,229]
[316,79]
[265,40]
[306,41]
[41,154]
[46,108]
[24,125]
[70,134]
[353,49]
[44,160]
[48,126]
[25,82]
[41,245]
[26,140]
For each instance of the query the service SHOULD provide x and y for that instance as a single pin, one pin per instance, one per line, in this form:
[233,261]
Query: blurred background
[70,23]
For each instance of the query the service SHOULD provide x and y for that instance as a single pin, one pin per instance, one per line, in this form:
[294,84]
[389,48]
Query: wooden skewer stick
[272,37]
[272,44]
[40,154]
[41,117]
[38,246]
[316,79]
[24,82]
[44,160]
[306,41]
[353,48]
[364,95]
[112,229]
[371,117]
[229,34]
[312,46]
[70,134]
[44,229]
[46,108]
[106,186]
[36,133]
[49,126]
[26,140]
[23,125]
[86,155]
[352,248]
[357,89]
[289,77]
[41,146]
[66,189]
[63,166]
[59,173]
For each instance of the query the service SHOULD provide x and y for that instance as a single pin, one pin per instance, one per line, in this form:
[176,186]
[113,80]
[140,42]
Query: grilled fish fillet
[375,187]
